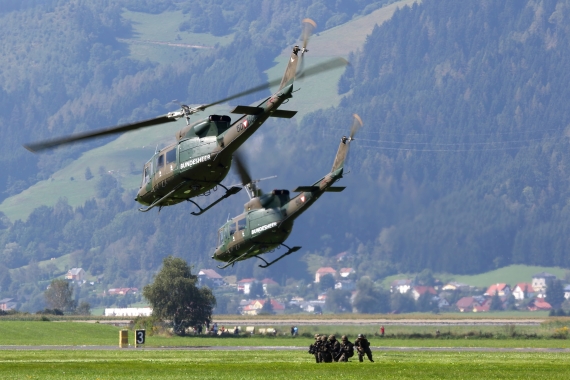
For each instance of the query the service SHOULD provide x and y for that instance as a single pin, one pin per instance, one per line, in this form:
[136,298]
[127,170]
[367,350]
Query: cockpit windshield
[147,172]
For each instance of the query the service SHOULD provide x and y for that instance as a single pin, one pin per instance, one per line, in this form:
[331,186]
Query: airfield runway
[279,348]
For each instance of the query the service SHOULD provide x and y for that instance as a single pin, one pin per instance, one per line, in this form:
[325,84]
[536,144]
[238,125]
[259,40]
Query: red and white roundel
[244,124]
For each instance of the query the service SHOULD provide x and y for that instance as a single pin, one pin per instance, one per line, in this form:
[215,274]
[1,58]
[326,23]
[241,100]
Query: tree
[88,174]
[555,294]
[267,307]
[326,282]
[59,295]
[174,295]
[338,301]
[256,290]
[83,309]
[369,299]
[496,303]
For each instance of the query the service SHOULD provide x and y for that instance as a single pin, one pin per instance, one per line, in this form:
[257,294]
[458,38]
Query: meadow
[140,364]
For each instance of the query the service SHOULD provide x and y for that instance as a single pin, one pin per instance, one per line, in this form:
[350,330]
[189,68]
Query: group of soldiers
[329,349]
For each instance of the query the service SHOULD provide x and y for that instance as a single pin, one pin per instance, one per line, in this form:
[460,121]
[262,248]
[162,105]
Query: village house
[418,291]
[540,281]
[122,291]
[323,272]
[254,307]
[266,282]
[538,304]
[345,285]
[345,272]
[467,304]
[523,290]
[402,286]
[211,275]
[500,289]
[452,286]
[567,292]
[244,285]
[8,304]
[343,256]
[75,274]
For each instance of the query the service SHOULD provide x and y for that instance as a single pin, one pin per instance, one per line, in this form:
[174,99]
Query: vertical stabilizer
[341,154]
[291,71]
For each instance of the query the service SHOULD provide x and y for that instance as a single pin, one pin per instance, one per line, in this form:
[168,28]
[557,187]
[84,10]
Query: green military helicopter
[201,157]
[268,219]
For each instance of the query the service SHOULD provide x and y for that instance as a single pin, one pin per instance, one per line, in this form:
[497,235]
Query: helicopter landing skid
[231,191]
[232,262]
[157,202]
[290,251]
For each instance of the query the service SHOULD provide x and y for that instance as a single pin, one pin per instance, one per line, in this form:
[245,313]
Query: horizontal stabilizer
[283,114]
[247,110]
[332,189]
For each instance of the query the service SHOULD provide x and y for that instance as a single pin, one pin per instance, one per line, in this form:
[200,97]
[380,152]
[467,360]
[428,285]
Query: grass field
[511,275]
[233,365]
[14,333]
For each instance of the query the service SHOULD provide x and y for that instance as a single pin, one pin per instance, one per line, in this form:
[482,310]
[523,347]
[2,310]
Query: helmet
[316,336]
[344,337]
[332,337]
[324,338]
[360,336]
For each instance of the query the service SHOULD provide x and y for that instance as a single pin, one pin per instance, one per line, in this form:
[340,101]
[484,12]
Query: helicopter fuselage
[202,156]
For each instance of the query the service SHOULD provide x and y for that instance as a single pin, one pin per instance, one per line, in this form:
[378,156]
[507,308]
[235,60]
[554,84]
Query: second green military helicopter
[201,157]
[268,219]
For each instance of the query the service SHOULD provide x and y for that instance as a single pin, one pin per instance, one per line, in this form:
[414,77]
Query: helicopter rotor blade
[46,144]
[356,124]
[308,28]
[241,168]
[173,116]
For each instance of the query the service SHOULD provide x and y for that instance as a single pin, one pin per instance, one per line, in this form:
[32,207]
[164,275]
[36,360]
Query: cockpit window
[171,156]
[146,172]
[232,228]
[160,163]
[220,236]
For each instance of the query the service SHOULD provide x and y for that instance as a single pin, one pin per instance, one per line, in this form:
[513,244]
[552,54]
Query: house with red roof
[345,272]
[266,282]
[539,304]
[467,304]
[255,306]
[523,290]
[245,285]
[500,289]
[418,291]
[323,271]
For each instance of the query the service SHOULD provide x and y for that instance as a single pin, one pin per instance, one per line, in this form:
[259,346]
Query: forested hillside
[462,165]
[65,68]
[468,145]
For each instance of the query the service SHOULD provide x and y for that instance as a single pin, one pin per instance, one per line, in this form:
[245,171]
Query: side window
[171,156]
[241,224]
[160,161]
[232,228]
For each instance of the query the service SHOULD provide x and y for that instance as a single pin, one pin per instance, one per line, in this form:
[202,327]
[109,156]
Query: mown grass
[35,333]
[219,365]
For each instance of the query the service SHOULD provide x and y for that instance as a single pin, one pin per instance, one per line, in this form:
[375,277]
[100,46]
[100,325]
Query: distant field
[151,29]
[511,275]
[221,365]
[32,333]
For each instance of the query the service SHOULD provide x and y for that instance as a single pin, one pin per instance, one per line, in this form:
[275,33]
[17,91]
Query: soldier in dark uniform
[363,347]
[314,348]
[346,349]
[325,350]
[335,347]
